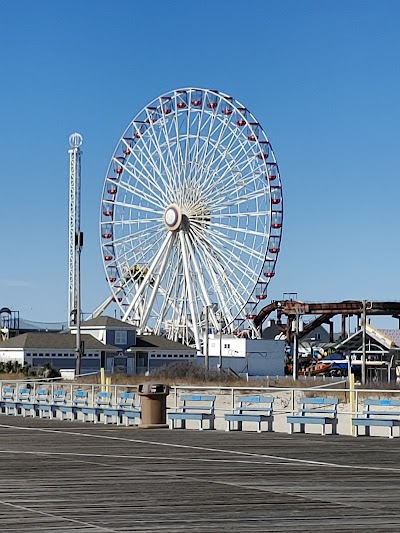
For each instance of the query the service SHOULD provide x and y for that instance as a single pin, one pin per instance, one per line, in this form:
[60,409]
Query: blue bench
[124,411]
[377,412]
[194,407]
[25,403]
[251,408]
[44,405]
[321,411]
[7,401]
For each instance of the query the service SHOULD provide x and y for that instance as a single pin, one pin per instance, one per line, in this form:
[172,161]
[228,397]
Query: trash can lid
[153,388]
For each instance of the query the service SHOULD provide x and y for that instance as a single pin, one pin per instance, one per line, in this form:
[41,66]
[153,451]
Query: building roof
[393,334]
[106,321]
[380,336]
[155,341]
[48,340]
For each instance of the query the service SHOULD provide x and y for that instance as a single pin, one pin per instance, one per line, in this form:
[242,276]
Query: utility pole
[220,345]
[364,340]
[296,347]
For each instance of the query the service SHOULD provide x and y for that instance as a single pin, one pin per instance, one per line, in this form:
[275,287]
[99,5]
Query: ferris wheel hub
[173,217]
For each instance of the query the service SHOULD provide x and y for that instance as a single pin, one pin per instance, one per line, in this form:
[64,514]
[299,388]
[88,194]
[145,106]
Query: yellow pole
[108,384]
[352,401]
[102,379]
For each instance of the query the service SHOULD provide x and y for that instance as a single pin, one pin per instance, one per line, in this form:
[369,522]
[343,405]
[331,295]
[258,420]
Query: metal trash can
[153,405]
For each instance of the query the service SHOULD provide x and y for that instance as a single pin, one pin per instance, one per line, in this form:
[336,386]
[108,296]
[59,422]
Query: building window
[121,337]
[227,346]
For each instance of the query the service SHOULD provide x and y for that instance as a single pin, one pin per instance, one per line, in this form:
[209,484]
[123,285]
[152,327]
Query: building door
[142,362]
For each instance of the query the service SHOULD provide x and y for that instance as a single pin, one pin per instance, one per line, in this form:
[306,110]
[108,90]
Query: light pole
[205,341]
[364,338]
[220,346]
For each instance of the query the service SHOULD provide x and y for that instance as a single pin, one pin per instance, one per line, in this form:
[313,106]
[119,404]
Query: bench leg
[171,423]
[323,430]
[334,429]
[270,425]
[290,429]
[211,423]
[391,432]
[258,427]
[302,428]
[367,431]
[239,425]
[228,425]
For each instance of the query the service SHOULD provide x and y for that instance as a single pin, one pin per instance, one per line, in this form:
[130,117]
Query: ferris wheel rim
[172,220]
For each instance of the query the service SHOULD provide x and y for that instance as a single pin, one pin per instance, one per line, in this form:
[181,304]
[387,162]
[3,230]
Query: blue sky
[322,78]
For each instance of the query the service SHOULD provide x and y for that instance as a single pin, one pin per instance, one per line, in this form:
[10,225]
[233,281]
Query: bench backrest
[7,393]
[382,402]
[254,402]
[42,395]
[126,400]
[80,397]
[24,394]
[198,402]
[318,405]
[103,399]
[60,396]
[379,406]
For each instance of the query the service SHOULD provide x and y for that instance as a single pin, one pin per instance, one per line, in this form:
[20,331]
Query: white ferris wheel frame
[191,216]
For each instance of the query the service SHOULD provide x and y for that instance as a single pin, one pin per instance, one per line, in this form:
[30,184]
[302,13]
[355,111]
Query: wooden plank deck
[68,477]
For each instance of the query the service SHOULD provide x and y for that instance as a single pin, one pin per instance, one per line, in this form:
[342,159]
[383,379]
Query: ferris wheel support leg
[102,307]
[145,314]
[206,299]
[190,289]
[147,277]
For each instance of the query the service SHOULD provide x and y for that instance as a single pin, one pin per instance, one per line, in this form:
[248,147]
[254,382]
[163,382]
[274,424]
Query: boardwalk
[63,477]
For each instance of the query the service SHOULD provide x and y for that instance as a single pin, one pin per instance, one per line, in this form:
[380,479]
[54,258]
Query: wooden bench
[194,407]
[124,411]
[251,408]
[322,411]
[377,412]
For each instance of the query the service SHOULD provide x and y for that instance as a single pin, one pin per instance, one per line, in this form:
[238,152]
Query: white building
[255,357]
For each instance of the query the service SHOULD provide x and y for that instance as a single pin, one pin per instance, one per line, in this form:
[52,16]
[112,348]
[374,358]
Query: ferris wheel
[191,216]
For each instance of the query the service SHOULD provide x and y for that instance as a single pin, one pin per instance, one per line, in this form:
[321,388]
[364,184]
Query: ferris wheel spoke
[230,259]
[139,207]
[167,135]
[249,197]
[242,214]
[218,271]
[241,248]
[247,231]
[139,167]
[215,153]
[142,169]
[150,198]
